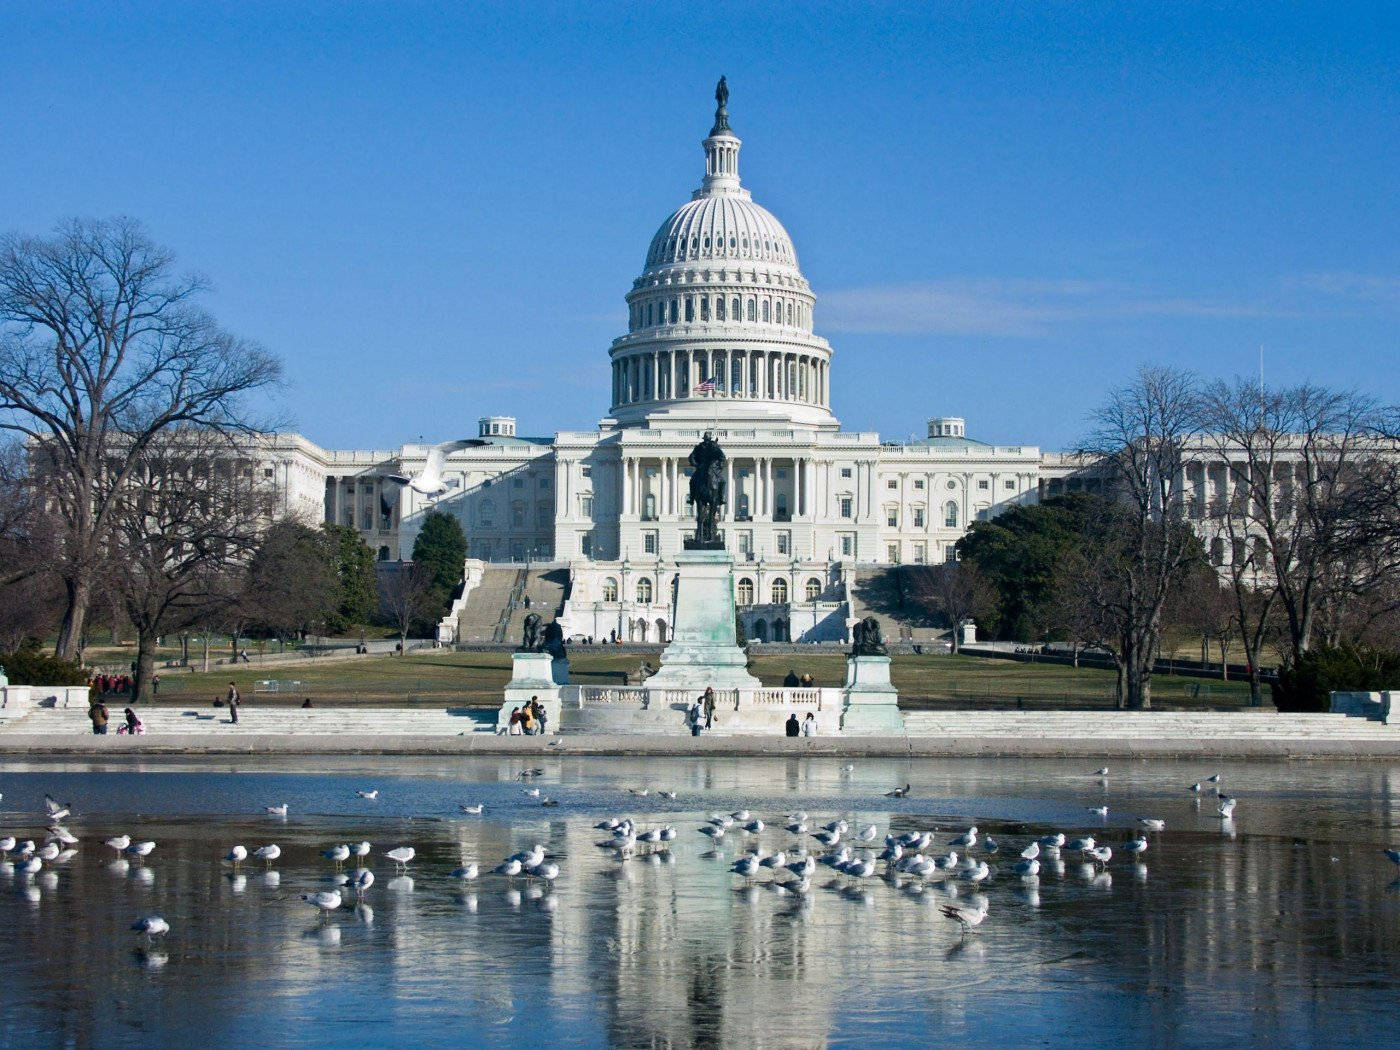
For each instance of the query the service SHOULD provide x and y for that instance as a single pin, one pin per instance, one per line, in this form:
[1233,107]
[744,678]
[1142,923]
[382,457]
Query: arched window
[814,589]
[675,310]
[780,592]
[752,311]
[719,309]
[950,514]
[383,553]
[610,590]
[789,312]
[644,591]
[735,303]
[745,591]
[765,311]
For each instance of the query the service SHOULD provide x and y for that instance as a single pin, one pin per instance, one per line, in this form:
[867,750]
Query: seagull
[466,872]
[1032,851]
[666,794]
[7,844]
[58,833]
[151,925]
[1054,841]
[1101,772]
[362,879]
[827,838]
[1083,845]
[510,868]
[1102,854]
[1027,868]
[267,854]
[361,849]
[979,871]
[848,768]
[53,806]
[276,811]
[48,851]
[746,866]
[1137,845]
[535,792]
[548,871]
[990,845]
[1152,823]
[639,792]
[326,900]
[526,774]
[475,810]
[1226,808]
[754,827]
[713,833]
[898,792]
[118,843]
[967,916]
[337,854]
[1195,787]
[777,860]
[29,866]
[868,833]
[141,849]
[429,481]
[371,795]
[966,840]
[1213,778]
[740,815]
[797,827]
[1099,811]
[401,855]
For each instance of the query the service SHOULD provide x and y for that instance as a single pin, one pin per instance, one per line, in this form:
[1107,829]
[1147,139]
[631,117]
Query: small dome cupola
[721,148]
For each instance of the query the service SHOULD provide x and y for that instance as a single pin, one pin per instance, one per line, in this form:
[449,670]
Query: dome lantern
[721,149]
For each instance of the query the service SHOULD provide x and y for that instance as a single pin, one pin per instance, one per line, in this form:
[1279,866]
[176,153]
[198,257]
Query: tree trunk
[184,649]
[146,642]
[1121,698]
[206,652]
[70,631]
[1256,699]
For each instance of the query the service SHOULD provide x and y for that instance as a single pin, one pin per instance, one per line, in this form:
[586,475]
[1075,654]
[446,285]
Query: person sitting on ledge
[791,681]
[808,681]
[792,726]
[306,703]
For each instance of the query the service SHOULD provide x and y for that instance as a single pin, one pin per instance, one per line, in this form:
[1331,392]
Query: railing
[648,698]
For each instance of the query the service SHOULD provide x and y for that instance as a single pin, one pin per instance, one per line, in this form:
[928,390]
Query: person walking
[792,726]
[708,703]
[809,725]
[695,716]
[98,713]
[232,700]
[527,720]
[513,729]
[541,718]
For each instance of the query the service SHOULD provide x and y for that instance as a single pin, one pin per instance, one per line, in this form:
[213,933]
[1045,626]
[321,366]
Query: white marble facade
[720,337]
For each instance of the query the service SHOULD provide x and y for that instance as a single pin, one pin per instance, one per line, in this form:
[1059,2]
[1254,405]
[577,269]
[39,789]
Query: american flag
[708,386]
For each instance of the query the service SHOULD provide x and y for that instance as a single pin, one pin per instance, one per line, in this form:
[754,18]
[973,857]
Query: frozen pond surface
[1281,926]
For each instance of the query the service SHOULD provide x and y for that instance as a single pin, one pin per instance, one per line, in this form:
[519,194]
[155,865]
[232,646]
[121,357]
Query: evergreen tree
[440,551]
[359,596]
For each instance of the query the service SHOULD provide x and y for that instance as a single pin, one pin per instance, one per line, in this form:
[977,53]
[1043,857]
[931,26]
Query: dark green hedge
[1305,686]
[30,666]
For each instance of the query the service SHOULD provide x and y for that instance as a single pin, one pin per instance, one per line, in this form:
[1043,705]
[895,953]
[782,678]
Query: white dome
[728,227]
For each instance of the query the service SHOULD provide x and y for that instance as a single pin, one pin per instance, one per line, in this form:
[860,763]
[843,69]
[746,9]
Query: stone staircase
[1109,725]
[486,615]
[876,592]
[280,721]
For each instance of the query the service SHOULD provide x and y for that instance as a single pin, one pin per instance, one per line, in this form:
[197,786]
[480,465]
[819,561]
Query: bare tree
[29,592]
[191,512]
[956,591]
[1310,515]
[103,350]
[408,594]
[1139,436]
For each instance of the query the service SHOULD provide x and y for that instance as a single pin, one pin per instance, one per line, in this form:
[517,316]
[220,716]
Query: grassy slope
[478,678]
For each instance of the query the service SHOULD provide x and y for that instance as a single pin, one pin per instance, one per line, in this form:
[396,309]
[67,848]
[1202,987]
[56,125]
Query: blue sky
[433,211]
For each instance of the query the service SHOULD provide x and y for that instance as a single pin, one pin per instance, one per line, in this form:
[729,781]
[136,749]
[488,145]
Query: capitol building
[721,337]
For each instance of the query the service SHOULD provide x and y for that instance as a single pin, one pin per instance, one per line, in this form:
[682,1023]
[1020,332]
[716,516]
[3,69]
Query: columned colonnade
[765,375]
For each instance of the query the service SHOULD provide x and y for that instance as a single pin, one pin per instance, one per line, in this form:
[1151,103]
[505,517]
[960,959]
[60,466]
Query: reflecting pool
[1280,925]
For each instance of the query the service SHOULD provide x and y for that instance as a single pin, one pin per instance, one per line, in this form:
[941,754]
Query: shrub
[29,666]
[1335,668]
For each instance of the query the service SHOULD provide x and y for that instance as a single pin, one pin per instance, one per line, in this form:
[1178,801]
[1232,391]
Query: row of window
[744,590]
[675,248]
[790,312]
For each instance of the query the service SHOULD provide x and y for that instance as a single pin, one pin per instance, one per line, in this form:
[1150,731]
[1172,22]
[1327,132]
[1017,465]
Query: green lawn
[478,679]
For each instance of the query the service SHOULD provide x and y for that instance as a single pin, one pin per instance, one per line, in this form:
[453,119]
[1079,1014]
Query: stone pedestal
[871,702]
[534,675]
[703,650]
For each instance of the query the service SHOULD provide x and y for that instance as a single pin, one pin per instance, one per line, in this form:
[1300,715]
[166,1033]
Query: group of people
[132,725]
[792,681]
[528,720]
[111,684]
[701,712]
[807,727]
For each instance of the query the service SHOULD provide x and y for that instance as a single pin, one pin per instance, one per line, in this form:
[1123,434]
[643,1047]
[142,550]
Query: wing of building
[720,338]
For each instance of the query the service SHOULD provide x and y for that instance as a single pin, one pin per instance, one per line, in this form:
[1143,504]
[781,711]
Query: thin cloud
[1012,308]
[1378,289]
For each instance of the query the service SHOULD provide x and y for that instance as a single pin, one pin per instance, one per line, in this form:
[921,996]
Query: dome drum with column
[721,313]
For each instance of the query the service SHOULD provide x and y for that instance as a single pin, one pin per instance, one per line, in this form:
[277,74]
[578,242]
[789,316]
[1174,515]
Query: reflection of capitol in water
[1262,928]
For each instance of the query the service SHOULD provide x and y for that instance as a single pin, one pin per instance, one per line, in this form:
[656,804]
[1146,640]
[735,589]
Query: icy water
[1279,927]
